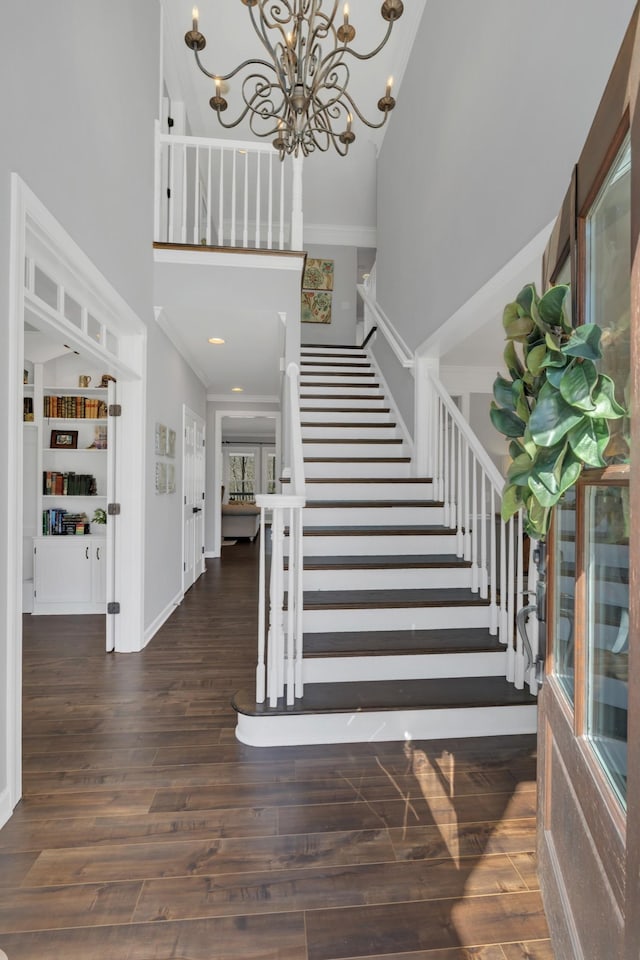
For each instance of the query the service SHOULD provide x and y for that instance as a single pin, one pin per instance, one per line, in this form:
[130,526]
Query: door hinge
[115,410]
[202,551]
[35,549]
[113,509]
[203,494]
[184,567]
[113,607]
[168,193]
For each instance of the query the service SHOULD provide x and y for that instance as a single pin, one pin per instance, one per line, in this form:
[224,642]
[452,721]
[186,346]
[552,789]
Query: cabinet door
[62,571]
[99,573]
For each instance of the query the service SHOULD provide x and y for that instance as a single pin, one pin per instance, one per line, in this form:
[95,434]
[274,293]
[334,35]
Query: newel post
[296,204]
[423,416]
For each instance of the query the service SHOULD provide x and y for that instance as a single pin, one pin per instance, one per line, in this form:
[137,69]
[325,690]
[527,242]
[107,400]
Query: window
[242,476]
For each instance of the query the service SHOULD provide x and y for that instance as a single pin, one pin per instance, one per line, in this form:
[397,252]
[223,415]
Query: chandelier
[299,95]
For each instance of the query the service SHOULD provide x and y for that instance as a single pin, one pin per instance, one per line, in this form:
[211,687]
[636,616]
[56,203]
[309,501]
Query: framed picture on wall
[64,440]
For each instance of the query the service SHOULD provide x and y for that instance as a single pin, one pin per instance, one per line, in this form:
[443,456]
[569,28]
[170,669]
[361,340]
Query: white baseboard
[162,617]
[211,554]
[5,807]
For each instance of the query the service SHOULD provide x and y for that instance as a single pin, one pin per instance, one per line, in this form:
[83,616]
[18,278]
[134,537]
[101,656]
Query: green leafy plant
[554,407]
[99,516]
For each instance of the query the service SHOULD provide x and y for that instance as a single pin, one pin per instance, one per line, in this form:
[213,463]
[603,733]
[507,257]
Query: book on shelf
[62,523]
[74,408]
[69,484]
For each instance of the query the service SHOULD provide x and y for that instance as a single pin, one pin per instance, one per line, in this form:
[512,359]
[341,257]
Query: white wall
[496,104]
[81,80]
[342,329]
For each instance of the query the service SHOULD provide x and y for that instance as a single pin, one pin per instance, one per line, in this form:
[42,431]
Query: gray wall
[494,108]
[342,328]
[77,126]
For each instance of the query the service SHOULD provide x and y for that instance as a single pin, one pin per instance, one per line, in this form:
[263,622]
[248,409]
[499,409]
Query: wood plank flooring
[147,832]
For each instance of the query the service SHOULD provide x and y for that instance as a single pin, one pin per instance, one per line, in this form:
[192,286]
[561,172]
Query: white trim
[162,617]
[6,808]
[340,235]
[241,398]
[362,726]
[268,260]
[401,350]
[215,498]
[489,299]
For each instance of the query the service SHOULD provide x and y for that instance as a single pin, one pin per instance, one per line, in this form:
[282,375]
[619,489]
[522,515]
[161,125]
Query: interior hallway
[148,833]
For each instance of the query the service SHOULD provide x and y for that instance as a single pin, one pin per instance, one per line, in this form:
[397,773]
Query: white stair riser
[394,618]
[349,449]
[343,380]
[336,389]
[353,401]
[385,725]
[343,417]
[317,353]
[380,490]
[338,366]
[372,516]
[414,578]
[434,666]
[332,468]
[374,546]
[346,432]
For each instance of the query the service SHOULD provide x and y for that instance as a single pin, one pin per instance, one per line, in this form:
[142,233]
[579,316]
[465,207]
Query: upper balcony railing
[226,193]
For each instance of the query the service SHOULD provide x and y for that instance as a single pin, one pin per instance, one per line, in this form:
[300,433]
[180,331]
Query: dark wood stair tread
[358,410]
[330,346]
[357,459]
[356,504]
[452,693]
[329,361]
[405,561]
[424,529]
[353,441]
[401,642]
[340,424]
[368,480]
[337,373]
[391,599]
[343,396]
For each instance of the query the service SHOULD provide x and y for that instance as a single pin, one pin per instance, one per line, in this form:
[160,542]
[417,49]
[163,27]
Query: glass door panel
[608,288]
[564,593]
[606,563]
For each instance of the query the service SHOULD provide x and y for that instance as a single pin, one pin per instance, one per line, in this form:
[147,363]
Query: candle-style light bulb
[217,83]
[389,85]
[194,19]
[290,39]
[346,14]
[349,121]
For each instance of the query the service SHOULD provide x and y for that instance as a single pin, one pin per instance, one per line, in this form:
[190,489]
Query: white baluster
[484,578]
[183,230]
[258,210]
[292,569]
[221,236]
[511,601]
[474,530]
[441,413]
[281,243]
[270,206]
[157,177]
[519,603]
[260,669]
[275,601]
[299,604]
[459,510]
[445,477]
[209,199]
[504,622]
[196,197]
[171,159]
[233,199]
[245,231]
[493,573]
[467,505]
[533,620]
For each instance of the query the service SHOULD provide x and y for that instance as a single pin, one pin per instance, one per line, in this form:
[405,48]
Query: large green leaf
[522,407]
[520,469]
[511,501]
[547,466]
[537,520]
[555,375]
[571,470]
[552,417]
[544,497]
[512,361]
[588,441]
[506,422]
[535,357]
[515,449]
[553,358]
[584,342]
[577,383]
[527,297]
[552,342]
[503,393]
[551,305]
[517,328]
[528,443]
[605,404]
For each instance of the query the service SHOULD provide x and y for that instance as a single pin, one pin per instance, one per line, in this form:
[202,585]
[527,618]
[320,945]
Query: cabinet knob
[97,553]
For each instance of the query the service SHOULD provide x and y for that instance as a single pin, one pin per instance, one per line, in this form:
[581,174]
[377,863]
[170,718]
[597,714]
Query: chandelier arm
[361,116]
[345,48]
[236,71]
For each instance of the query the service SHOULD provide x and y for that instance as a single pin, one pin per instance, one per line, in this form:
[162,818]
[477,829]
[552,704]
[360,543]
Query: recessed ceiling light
[216,340]
[237,389]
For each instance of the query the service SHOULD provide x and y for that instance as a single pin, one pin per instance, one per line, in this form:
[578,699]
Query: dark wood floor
[147,832]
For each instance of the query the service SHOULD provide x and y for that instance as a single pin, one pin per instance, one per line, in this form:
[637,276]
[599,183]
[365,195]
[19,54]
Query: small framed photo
[171,478]
[64,439]
[161,440]
[161,477]
[171,443]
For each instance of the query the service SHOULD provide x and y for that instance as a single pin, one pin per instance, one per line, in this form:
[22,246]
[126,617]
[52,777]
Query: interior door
[110,529]
[588,775]
[193,494]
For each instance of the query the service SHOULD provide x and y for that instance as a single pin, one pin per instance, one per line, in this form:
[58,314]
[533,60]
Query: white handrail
[280,646]
[378,318]
[206,189]
[468,482]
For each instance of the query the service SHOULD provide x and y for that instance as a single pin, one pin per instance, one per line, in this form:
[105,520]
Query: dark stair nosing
[358,357]
[367,504]
[352,440]
[427,530]
[340,425]
[344,396]
[330,346]
[335,373]
[329,362]
[357,459]
[429,561]
[346,410]
[457,640]
[369,480]
[448,693]
[322,383]
[389,599]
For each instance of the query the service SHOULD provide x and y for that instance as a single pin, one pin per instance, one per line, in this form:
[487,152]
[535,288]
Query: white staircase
[396,642]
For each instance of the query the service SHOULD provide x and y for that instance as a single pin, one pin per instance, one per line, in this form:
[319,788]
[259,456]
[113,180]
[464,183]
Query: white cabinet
[69,575]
